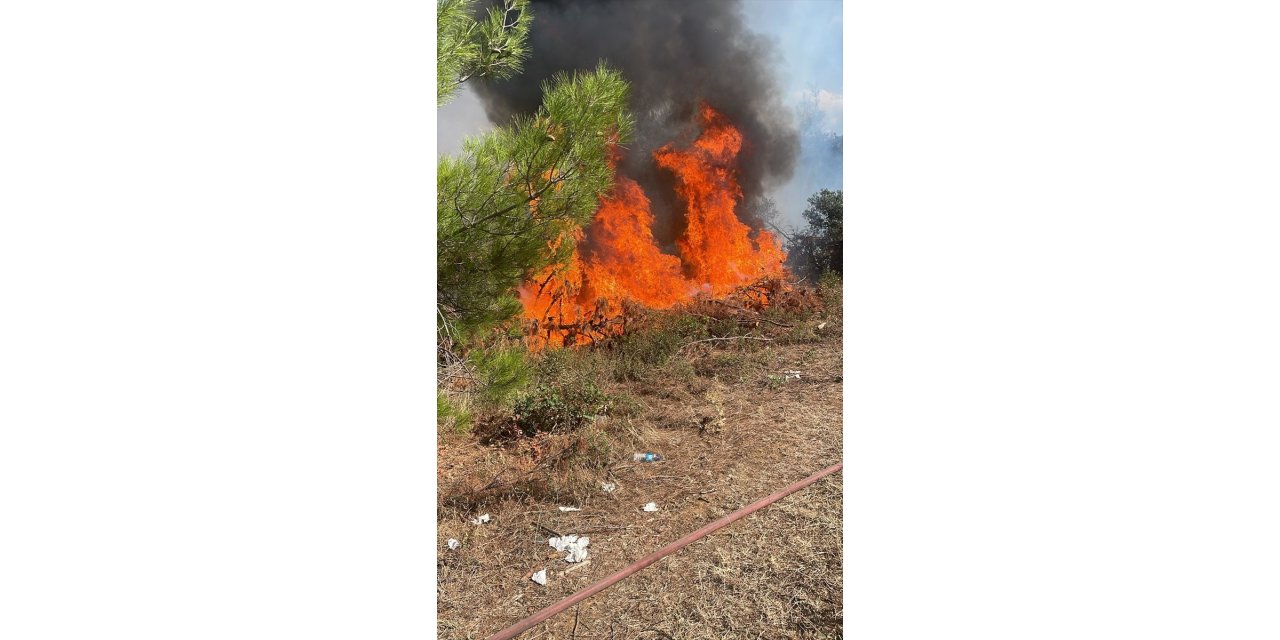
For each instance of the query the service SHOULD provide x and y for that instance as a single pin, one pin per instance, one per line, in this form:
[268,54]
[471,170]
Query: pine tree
[512,193]
[467,48]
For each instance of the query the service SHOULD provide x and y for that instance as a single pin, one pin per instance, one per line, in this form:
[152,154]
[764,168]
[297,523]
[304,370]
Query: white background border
[1062,313]
[215,348]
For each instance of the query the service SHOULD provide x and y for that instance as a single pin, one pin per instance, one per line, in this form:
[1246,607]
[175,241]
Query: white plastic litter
[608,487]
[481,520]
[454,544]
[570,509]
[574,546]
[540,577]
[822,326]
[651,507]
[791,375]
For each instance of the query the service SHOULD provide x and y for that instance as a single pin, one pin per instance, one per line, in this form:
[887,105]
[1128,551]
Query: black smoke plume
[675,53]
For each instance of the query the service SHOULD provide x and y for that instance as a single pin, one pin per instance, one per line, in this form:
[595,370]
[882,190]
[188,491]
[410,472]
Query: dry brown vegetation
[733,427]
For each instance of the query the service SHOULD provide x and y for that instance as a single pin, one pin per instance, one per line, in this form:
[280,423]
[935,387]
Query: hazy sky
[808,35]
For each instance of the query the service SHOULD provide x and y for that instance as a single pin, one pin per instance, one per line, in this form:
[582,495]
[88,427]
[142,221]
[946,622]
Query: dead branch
[726,338]
[779,324]
[599,528]
[549,530]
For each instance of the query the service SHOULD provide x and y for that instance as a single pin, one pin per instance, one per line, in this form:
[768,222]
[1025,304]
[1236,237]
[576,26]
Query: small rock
[540,577]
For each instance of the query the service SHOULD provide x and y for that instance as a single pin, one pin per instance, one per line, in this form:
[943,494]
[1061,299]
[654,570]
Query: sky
[808,70]
[808,35]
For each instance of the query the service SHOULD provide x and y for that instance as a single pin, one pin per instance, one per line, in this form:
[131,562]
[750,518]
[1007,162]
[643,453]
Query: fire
[624,260]
[617,260]
[717,248]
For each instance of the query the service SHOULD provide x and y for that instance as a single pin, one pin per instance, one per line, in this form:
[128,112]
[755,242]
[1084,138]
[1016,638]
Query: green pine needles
[512,192]
[511,203]
[467,48]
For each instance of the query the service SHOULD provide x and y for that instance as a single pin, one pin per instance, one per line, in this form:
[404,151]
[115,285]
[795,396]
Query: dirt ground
[732,432]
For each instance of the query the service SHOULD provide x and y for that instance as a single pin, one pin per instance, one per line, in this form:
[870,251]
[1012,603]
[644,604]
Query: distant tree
[467,48]
[509,204]
[819,248]
[763,210]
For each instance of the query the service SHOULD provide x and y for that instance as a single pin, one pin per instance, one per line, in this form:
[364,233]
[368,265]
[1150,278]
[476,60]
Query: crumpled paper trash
[481,520]
[540,577]
[791,375]
[651,507]
[608,487]
[454,544]
[574,546]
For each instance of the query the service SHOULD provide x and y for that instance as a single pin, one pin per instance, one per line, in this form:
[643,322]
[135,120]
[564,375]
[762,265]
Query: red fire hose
[528,623]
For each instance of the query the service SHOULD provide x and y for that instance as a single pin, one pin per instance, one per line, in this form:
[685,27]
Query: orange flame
[625,261]
[582,300]
[716,247]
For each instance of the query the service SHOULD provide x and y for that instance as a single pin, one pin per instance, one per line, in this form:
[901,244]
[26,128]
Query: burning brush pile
[618,269]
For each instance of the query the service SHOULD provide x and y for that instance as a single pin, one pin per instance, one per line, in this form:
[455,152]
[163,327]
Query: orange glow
[624,260]
[617,260]
[717,248]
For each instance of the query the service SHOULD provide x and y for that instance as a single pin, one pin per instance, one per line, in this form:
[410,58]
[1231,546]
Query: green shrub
[830,288]
[553,364]
[646,348]
[504,372]
[451,415]
[802,333]
[560,407]
[625,405]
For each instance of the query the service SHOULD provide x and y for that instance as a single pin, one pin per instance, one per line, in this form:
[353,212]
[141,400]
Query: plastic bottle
[646,457]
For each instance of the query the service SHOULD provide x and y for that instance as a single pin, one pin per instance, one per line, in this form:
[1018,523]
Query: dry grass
[733,432]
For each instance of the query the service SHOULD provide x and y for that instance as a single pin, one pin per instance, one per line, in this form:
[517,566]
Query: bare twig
[600,528]
[788,326]
[492,483]
[726,338]
[549,530]
[784,233]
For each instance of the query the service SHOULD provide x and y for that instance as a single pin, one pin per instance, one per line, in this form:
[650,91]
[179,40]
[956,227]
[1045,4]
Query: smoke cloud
[675,53]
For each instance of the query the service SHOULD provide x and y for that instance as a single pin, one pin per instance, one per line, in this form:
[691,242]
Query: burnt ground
[733,429]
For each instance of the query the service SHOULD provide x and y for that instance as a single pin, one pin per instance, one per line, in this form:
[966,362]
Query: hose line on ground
[528,623]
